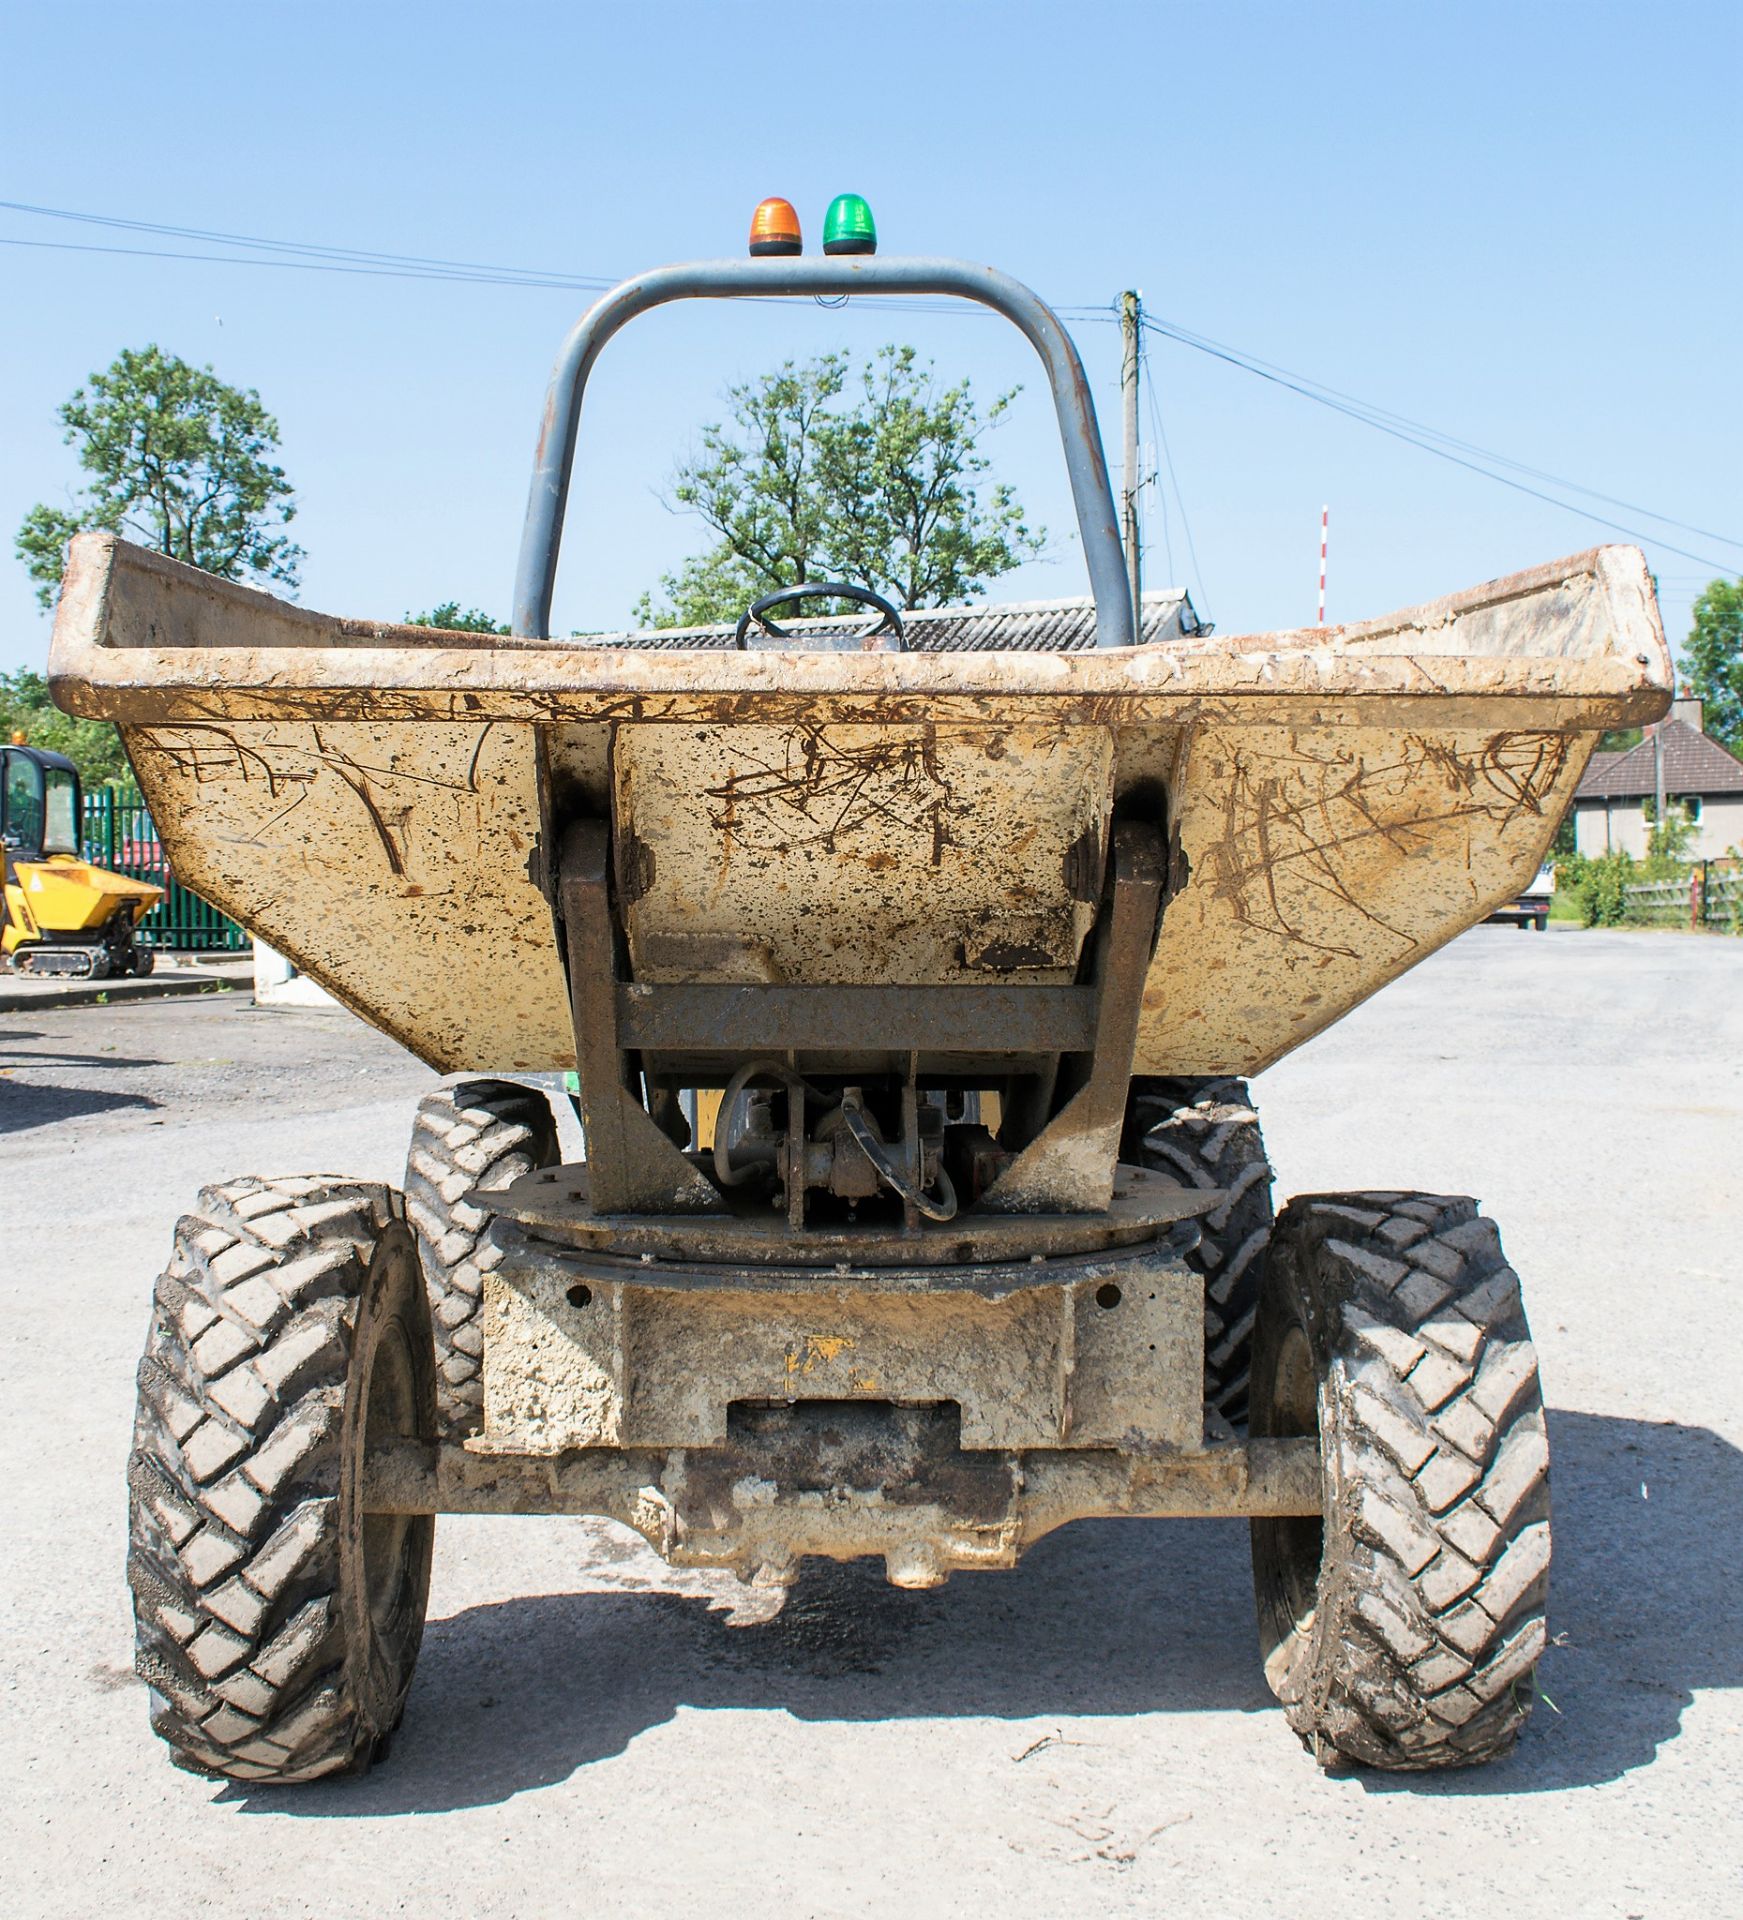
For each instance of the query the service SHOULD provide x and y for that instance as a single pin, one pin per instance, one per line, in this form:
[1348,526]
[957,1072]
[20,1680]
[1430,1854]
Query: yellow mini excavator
[58,913]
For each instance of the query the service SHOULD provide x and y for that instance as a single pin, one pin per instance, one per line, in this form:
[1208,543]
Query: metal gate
[1709,895]
[118,834]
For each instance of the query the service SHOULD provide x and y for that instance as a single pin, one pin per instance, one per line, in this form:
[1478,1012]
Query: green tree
[904,503]
[449,616]
[93,746]
[759,485]
[885,490]
[1713,660]
[179,461]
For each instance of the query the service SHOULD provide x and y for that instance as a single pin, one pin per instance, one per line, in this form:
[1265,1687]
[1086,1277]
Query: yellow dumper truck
[975,920]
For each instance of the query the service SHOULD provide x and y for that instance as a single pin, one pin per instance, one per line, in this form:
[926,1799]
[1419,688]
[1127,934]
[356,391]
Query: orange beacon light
[774,229]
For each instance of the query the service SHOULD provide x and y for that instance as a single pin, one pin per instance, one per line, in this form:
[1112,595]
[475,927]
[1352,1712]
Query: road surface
[1087,1736]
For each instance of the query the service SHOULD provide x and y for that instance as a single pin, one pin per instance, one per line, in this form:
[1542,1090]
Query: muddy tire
[277,1625]
[468,1141]
[1205,1133]
[1403,1629]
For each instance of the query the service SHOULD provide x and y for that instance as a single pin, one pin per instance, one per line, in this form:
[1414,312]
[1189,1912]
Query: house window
[1690,804]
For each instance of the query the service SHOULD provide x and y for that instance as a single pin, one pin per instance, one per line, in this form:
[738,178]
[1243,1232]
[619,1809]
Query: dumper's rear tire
[468,1140]
[1402,1629]
[1205,1133]
[277,1623]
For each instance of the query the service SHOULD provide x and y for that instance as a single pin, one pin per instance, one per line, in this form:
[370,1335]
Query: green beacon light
[848,226]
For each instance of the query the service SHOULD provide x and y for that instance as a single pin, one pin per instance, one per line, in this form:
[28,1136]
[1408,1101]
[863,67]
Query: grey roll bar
[535,577]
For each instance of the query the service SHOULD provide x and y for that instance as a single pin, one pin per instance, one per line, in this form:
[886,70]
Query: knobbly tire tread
[253,1631]
[1205,1133]
[1432,1588]
[471,1138]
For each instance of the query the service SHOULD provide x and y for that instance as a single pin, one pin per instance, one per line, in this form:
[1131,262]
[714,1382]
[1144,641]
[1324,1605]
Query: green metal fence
[118,834]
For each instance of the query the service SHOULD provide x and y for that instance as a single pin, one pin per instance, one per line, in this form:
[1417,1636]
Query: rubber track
[1442,1477]
[1205,1133]
[469,1139]
[235,1472]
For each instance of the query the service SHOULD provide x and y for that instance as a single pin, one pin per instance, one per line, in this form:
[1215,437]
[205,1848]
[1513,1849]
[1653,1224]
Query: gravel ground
[1087,1735]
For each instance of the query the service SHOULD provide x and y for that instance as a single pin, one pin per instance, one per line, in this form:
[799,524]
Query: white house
[1610,803]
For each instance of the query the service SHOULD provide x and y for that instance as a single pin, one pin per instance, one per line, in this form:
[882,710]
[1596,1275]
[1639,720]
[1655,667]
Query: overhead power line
[314,249]
[312,257]
[1442,446]
[258,250]
[1161,433]
[1253,364]
[378,271]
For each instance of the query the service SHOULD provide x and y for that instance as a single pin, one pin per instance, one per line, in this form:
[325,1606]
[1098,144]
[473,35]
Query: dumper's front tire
[468,1140]
[278,1623]
[1402,1629]
[1205,1133]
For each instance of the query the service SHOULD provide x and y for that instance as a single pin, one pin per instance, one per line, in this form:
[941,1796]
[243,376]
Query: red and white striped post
[1324,529]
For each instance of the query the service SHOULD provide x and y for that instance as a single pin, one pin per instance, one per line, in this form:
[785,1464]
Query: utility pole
[1657,783]
[1131,319]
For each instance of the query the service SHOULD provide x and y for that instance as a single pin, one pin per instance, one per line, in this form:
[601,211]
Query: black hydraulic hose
[724,1171]
[943,1208]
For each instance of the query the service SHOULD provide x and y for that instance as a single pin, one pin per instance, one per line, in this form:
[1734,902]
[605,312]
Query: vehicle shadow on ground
[1104,1618]
[13,1038]
[24,1106]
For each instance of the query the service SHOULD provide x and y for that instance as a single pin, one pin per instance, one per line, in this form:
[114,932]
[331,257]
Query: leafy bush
[1598,887]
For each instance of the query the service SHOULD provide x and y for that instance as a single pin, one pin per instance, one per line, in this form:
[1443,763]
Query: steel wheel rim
[1301,1538]
[390,1412]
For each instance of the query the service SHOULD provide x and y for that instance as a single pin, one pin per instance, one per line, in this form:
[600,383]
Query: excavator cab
[35,783]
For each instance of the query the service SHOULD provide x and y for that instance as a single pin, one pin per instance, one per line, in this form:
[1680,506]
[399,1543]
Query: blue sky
[1517,223]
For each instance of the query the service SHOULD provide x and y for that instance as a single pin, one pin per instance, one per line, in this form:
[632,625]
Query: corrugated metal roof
[1030,626]
[1693,764]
